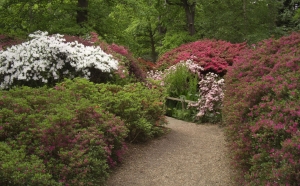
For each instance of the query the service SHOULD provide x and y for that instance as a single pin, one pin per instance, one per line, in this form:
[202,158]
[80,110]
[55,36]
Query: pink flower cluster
[211,95]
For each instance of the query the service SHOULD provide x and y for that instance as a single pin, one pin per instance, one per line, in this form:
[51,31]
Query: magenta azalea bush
[213,56]
[262,112]
[56,137]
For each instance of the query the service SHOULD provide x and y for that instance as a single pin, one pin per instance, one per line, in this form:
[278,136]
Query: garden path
[189,155]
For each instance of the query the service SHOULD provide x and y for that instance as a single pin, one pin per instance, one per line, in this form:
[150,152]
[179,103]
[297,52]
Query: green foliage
[182,82]
[57,135]
[141,108]
[237,21]
[17,168]
[174,39]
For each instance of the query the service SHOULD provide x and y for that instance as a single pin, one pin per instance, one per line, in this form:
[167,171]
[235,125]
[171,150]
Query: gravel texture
[188,155]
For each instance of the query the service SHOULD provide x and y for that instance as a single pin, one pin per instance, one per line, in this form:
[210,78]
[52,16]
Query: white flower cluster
[43,56]
[211,94]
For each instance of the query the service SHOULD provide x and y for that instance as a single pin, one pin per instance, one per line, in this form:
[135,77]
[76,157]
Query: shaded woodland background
[149,28]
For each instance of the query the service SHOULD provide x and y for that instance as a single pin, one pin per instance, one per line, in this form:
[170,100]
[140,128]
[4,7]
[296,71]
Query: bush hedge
[140,107]
[56,137]
[262,112]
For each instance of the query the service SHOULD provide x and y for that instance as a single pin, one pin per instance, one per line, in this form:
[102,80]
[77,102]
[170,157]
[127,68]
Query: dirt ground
[189,155]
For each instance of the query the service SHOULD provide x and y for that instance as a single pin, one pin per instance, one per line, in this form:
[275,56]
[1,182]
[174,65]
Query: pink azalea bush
[213,56]
[210,97]
[262,112]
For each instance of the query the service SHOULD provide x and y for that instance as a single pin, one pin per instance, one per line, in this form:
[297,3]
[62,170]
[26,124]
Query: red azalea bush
[146,65]
[58,136]
[261,110]
[213,56]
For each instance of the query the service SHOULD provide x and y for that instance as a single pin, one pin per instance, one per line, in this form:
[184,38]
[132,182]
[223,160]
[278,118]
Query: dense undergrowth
[262,112]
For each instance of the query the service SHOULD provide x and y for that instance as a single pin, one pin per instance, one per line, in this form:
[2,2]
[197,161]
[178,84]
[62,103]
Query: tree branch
[174,3]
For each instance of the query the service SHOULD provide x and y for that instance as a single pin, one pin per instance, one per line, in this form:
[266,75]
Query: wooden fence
[181,100]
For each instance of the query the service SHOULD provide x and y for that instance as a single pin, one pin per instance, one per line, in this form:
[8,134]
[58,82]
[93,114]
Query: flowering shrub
[187,79]
[210,98]
[213,56]
[58,137]
[146,65]
[48,59]
[262,113]
[139,107]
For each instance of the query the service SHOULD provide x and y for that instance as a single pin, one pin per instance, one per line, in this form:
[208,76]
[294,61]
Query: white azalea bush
[210,86]
[48,59]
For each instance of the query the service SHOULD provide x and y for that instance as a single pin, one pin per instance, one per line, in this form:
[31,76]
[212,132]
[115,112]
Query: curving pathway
[189,155]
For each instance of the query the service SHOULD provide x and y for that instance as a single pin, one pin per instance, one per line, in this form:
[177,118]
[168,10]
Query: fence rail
[181,100]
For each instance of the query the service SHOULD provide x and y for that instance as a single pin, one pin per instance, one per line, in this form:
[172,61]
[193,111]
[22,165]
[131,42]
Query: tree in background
[150,28]
[289,14]
[19,18]
[190,11]
[239,21]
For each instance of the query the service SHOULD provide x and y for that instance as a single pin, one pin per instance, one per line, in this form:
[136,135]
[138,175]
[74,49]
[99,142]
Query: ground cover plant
[262,112]
[56,137]
[213,56]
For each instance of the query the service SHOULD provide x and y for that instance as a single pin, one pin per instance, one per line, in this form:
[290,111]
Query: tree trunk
[189,8]
[82,12]
[152,43]
[245,18]
[190,16]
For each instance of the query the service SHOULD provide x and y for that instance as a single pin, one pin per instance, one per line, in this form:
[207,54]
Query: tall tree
[82,12]
[190,10]
[287,11]
[239,21]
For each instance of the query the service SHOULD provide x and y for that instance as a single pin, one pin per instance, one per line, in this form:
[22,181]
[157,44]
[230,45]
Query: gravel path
[189,155]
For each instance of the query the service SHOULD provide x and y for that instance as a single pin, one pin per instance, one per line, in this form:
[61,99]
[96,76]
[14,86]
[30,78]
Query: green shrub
[180,81]
[17,168]
[140,107]
[72,138]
